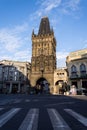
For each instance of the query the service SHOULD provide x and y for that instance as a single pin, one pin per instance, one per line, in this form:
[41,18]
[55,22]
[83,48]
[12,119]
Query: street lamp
[42,70]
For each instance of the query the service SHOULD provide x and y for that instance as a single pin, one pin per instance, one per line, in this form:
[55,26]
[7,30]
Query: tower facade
[43,61]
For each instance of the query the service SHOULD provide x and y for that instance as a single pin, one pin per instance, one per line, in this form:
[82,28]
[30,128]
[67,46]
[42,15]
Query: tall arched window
[82,69]
[73,70]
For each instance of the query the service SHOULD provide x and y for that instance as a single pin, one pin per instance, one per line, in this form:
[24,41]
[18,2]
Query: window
[45,51]
[82,69]
[73,71]
[39,52]
[60,74]
[11,78]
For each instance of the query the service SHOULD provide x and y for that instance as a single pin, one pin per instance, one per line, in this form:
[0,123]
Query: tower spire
[44,26]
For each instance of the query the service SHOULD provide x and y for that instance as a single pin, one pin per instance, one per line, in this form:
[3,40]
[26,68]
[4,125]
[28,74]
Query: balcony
[74,76]
[83,75]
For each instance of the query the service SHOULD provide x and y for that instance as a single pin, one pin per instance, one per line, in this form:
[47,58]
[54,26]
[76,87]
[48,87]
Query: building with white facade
[77,68]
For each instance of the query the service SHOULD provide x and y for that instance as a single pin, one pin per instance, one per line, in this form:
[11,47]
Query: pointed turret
[44,26]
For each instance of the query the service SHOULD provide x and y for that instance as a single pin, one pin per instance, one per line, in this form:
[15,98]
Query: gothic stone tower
[43,61]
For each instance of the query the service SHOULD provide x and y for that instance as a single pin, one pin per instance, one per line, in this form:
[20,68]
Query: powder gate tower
[43,61]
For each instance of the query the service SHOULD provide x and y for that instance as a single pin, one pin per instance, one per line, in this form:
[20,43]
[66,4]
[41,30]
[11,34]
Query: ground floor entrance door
[14,88]
[84,84]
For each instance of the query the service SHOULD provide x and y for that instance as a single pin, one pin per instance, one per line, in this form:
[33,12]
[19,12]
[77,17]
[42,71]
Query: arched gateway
[43,61]
[42,85]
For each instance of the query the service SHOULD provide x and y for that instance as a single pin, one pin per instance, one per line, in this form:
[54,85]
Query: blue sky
[19,17]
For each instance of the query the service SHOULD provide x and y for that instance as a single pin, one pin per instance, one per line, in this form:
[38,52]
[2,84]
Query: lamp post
[42,70]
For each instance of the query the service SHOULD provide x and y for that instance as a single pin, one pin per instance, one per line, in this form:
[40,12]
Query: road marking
[4,102]
[35,100]
[62,103]
[1,109]
[77,116]
[8,115]
[17,101]
[27,100]
[31,120]
[57,121]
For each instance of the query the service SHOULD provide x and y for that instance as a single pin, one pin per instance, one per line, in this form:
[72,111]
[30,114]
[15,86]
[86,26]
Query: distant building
[60,79]
[14,76]
[77,68]
[1,77]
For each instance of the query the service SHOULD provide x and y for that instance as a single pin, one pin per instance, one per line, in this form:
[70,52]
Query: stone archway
[58,86]
[42,86]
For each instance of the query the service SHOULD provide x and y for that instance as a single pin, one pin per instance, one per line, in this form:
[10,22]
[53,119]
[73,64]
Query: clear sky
[19,17]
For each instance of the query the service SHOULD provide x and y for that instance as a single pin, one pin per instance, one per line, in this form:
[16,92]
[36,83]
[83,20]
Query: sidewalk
[82,97]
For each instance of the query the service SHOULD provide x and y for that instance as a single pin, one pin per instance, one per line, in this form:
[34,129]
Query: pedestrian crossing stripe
[77,116]
[1,109]
[17,101]
[30,121]
[8,115]
[27,100]
[57,121]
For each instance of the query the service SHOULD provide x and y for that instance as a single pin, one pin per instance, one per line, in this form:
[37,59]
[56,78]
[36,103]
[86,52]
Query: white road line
[62,103]
[1,109]
[17,101]
[27,100]
[8,115]
[77,116]
[35,100]
[31,120]
[57,121]
[3,102]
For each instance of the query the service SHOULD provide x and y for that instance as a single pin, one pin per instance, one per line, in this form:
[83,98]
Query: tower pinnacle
[44,26]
